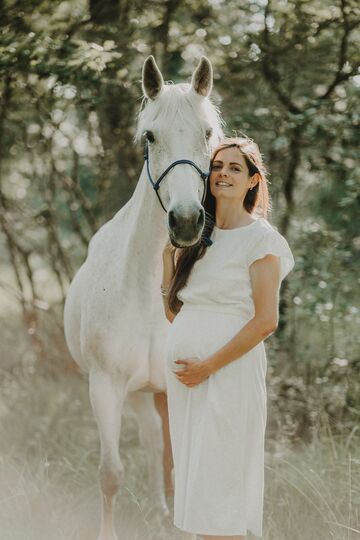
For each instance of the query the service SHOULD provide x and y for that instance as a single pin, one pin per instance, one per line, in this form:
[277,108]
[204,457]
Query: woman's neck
[231,214]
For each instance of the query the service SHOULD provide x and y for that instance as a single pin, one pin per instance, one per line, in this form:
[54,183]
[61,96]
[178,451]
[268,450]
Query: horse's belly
[123,327]
[130,348]
[149,387]
[72,318]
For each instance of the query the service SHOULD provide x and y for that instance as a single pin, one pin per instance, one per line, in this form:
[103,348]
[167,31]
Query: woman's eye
[235,169]
[149,136]
[215,167]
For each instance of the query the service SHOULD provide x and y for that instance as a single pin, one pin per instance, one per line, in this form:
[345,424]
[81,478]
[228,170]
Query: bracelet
[164,291]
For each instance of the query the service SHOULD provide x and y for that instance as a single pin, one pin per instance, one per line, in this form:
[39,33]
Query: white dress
[217,428]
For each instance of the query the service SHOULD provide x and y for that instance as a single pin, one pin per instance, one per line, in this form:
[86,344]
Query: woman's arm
[265,284]
[168,272]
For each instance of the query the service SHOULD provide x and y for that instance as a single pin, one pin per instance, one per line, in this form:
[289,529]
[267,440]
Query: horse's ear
[152,80]
[202,78]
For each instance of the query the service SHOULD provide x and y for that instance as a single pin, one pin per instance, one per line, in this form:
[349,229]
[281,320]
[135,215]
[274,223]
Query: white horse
[114,320]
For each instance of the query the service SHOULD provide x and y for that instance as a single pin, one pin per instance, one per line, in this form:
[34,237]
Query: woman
[222,298]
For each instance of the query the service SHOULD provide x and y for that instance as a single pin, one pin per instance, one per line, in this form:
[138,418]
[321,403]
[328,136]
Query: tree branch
[270,72]
[340,75]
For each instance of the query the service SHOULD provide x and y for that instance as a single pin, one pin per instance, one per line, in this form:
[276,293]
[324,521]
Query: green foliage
[286,73]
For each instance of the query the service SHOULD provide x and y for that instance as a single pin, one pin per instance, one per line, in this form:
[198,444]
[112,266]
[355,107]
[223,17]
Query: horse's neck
[146,230]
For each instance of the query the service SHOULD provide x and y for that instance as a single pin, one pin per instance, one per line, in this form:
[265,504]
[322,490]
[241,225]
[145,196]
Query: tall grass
[49,455]
[48,472]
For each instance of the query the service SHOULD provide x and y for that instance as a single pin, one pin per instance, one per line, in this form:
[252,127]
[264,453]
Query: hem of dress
[212,533]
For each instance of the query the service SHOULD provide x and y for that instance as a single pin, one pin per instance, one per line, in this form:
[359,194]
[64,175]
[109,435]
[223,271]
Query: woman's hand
[168,256]
[193,373]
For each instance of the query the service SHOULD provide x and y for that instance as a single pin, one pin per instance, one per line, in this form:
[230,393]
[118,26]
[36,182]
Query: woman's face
[229,176]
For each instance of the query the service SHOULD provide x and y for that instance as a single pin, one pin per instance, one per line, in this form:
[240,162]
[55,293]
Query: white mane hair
[179,100]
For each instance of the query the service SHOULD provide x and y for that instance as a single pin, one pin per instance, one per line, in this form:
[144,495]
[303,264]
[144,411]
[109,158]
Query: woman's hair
[256,202]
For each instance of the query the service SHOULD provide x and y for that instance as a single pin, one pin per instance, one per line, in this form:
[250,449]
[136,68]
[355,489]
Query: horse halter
[203,175]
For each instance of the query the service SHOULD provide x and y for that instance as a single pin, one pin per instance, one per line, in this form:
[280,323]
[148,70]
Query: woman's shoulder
[268,241]
[248,235]
[264,233]
[262,227]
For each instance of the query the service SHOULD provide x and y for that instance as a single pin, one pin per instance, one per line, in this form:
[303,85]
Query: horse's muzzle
[185,227]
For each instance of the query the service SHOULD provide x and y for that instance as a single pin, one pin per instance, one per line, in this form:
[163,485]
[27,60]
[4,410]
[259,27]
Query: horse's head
[179,123]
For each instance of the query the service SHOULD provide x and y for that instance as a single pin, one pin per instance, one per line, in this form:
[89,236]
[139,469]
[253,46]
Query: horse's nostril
[200,220]
[172,219]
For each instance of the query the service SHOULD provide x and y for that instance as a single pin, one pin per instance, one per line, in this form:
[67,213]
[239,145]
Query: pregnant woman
[222,299]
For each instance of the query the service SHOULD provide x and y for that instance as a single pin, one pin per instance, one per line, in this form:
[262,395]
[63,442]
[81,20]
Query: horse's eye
[149,136]
[208,134]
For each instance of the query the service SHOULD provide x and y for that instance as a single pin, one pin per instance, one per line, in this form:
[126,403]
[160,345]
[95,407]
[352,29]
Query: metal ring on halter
[203,175]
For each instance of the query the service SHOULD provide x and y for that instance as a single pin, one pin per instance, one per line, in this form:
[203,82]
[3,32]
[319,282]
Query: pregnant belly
[199,333]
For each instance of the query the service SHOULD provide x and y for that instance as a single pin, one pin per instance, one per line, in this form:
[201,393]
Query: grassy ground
[48,472]
[49,454]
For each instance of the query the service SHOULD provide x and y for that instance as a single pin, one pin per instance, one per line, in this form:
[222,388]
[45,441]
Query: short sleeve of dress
[272,243]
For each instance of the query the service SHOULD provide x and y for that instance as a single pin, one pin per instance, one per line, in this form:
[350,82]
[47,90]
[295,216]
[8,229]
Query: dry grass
[49,453]
[48,468]
[313,491]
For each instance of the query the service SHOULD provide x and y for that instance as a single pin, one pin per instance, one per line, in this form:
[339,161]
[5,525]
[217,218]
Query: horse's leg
[150,433]
[160,400]
[107,394]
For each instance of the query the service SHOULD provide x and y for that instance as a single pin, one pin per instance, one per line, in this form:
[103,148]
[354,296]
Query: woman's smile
[222,183]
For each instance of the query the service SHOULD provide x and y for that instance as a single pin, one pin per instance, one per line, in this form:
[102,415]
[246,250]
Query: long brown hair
[256,202]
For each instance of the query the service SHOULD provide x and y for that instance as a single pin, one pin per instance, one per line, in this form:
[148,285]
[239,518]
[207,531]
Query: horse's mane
[177,100]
